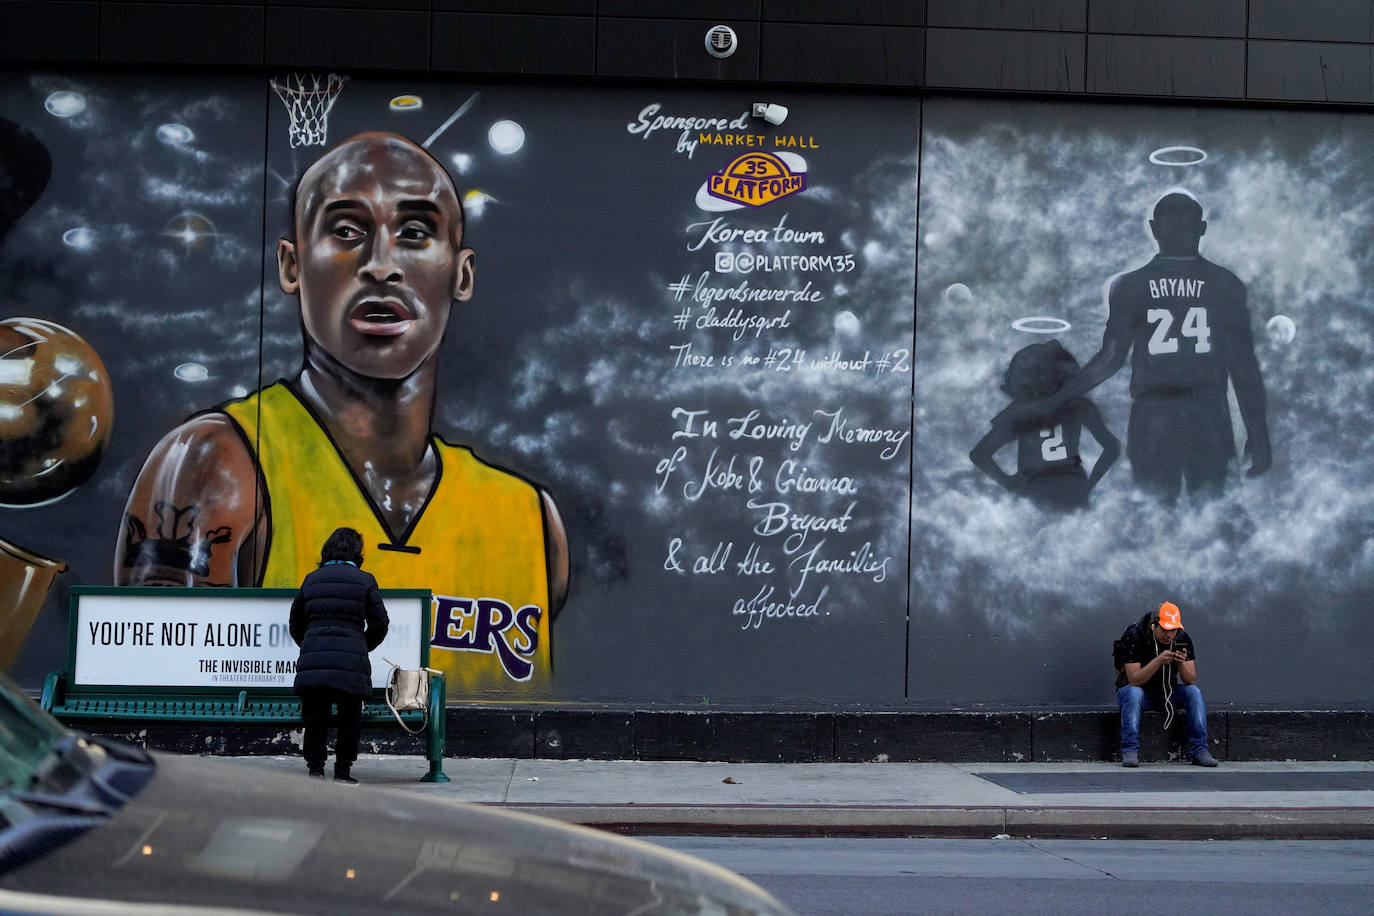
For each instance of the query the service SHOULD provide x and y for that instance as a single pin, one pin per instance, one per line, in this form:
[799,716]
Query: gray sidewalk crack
[510,778]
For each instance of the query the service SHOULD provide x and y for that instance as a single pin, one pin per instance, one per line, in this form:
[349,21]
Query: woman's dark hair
[344,545]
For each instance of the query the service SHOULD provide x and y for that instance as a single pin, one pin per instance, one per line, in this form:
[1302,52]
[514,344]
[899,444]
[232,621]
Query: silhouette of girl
[1049,471]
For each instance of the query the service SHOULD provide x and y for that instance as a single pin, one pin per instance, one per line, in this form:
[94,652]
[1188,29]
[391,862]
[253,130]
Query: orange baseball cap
[1169,616]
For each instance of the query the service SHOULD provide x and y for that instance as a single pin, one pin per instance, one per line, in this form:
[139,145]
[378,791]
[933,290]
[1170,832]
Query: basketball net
[308,98]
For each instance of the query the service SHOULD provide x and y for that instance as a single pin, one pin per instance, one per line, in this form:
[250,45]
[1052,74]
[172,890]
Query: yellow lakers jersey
[478,544]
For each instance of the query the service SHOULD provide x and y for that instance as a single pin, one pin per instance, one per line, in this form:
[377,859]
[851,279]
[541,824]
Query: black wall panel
[680,9]
[1312,20]
[860,12]
[549,7]
[1197,67]
[841,55]
[672,49]
[1022,61]
[167,33]
[50,31]
[1310,72]
[412,5]
[1054,15]
[347,38]
[488,43]
[1225,18]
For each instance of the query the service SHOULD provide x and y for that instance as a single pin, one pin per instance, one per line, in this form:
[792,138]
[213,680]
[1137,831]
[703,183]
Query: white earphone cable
[1168,690]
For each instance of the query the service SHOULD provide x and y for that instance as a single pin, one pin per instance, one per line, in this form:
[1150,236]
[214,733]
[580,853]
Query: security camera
[773,114]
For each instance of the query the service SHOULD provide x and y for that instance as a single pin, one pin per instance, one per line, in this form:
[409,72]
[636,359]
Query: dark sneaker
[346,780]
[317,773]
[1204,758]
[1130,758]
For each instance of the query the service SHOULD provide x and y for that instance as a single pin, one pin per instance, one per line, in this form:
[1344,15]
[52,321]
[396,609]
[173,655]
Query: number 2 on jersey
[1194,326]
[1052,446]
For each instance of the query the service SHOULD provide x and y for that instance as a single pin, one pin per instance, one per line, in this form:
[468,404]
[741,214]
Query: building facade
[879,363]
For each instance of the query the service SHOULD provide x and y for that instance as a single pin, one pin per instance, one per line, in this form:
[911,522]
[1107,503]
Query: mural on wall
[131,280]
[667,333]
[457,317]
[677,388]
[1223,253]
[377,260]
[55,407]
[1184,320]
[780,433]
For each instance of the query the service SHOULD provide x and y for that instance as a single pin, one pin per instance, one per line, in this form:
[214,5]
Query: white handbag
[407,690]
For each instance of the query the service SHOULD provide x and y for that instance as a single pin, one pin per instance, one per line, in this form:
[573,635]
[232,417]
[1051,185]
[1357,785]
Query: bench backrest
[212,641]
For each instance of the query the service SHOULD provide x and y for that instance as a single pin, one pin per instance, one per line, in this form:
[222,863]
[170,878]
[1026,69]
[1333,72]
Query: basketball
[56,410]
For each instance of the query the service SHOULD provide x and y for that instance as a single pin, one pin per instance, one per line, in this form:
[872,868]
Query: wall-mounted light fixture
[770,112]
[721,41]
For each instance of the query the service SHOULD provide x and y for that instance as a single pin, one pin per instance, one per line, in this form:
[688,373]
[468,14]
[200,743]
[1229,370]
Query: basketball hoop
[308,98]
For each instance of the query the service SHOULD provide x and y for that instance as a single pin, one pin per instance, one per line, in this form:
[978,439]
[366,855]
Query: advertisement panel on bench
[209,641]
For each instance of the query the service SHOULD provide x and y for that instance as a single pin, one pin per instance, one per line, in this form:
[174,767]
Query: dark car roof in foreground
[217,837]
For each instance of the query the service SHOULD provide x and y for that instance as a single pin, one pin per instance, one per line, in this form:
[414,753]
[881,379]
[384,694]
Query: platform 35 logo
[489,626]
[755,179]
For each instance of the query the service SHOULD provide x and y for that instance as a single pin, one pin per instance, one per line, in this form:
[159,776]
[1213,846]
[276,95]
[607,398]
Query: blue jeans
[1186,697]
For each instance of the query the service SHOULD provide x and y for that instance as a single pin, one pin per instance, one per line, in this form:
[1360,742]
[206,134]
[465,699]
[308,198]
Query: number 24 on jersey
[1194,326]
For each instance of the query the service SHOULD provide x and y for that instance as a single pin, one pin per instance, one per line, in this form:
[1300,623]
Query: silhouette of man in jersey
[1186,324]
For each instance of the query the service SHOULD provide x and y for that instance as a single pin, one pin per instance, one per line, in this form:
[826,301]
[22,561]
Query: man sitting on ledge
[1152,657]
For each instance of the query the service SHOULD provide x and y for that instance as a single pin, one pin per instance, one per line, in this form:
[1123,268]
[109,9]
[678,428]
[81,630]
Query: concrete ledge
[764,737]
[968,822]
[1063,737]
[779,820]
[1192,823]
[938,737]
[600,733]
[1261,735]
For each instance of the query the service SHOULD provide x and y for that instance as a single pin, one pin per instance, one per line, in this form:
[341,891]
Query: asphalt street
[818,877]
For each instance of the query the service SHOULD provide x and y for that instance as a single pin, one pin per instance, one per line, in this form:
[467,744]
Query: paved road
[860,876]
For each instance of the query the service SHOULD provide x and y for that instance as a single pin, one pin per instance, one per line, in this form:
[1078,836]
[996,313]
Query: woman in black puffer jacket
[337,618]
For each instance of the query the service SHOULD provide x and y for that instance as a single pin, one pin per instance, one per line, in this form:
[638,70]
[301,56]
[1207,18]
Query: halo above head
[1041,324]
[1176,156]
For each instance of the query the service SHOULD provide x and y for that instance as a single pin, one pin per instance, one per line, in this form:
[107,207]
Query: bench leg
[52,690]
[437,733]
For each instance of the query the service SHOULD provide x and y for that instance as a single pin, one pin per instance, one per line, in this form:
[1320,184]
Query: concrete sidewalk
[1292,799]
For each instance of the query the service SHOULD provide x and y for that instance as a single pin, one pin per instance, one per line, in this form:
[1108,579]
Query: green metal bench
[73,695]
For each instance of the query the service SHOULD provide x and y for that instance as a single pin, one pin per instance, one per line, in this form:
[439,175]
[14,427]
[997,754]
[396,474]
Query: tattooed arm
[195,515]
[555,554]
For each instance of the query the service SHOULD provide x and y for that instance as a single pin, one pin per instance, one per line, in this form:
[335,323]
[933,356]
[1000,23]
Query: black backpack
[1120,647]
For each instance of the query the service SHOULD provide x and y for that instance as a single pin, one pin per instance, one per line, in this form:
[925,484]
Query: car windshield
[27,736]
